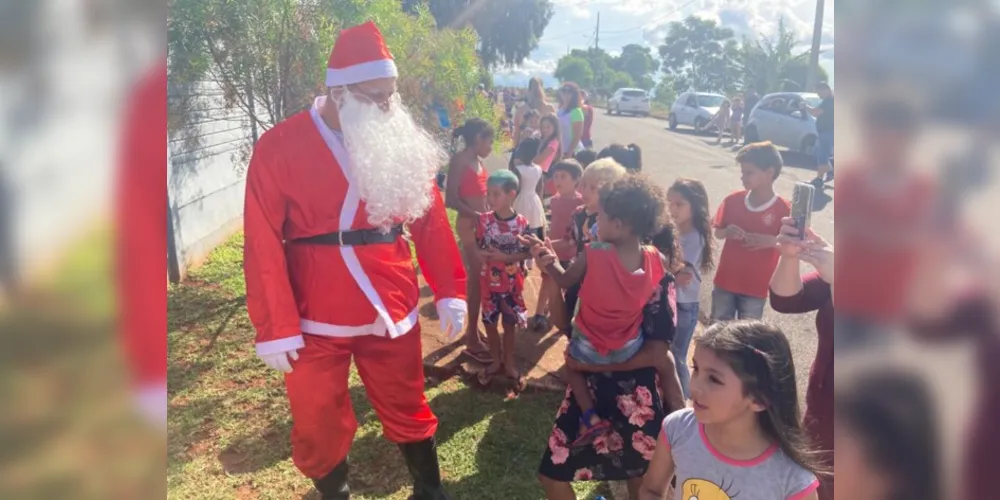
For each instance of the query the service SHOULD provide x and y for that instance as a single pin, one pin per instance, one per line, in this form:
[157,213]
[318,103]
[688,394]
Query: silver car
[634,101]
[695,109]
[779,119]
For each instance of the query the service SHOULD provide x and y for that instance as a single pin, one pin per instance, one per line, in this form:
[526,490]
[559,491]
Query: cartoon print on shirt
[703,489]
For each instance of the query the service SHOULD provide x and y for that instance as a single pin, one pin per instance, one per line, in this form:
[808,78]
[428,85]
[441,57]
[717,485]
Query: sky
[645,22]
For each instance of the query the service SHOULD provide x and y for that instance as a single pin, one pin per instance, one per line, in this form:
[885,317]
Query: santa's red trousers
[324,424]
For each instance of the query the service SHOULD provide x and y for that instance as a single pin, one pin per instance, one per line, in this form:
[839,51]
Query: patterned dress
[629,400]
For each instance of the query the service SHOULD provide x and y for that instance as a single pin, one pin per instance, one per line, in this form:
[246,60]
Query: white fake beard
[394,160]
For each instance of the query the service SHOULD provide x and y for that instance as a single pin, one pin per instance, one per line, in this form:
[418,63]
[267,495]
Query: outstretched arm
[437,253]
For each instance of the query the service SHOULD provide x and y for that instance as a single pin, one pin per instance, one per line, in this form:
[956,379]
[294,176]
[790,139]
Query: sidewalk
[539,356]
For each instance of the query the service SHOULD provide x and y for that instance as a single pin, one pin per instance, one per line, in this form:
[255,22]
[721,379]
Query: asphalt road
[668,155]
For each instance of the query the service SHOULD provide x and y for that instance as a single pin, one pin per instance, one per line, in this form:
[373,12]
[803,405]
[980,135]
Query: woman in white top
[529,197]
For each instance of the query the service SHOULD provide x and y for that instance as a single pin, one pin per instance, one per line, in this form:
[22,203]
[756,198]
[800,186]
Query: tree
[638,62]
[619,79]
[268,57]
[508,30]
[698,53]
[664,93]
[770,65]
[575,69]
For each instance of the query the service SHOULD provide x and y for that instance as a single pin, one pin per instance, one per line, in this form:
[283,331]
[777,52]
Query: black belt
[356,237]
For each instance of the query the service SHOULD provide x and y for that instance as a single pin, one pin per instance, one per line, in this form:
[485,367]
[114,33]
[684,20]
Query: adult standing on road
[329,274]
[794,294]
[824,134]
[570,119]
[534,100]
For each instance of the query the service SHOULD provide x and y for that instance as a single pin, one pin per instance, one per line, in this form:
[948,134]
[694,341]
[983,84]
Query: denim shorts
[824,148]
[583,351]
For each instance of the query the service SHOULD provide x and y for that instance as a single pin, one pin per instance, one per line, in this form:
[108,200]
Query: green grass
[230,422]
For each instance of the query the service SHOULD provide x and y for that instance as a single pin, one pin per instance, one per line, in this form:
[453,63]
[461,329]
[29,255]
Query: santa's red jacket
[298,185]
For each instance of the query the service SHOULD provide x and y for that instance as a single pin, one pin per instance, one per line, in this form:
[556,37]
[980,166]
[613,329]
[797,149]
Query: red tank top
[612,298]
[473,182]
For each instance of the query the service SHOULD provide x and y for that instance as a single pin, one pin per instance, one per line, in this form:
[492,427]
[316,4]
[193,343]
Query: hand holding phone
[802,206]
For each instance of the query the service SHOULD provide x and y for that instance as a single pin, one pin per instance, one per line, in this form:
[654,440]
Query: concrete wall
[205,178]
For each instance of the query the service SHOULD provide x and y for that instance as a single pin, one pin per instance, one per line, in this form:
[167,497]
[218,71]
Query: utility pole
[813,76]
[597,45]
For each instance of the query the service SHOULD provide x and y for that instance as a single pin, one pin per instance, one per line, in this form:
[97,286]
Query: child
[667,242]
[529,129]
[501,278]
[629,156]
[749,221]
[548,152]
[743,438]
[688,205]
[585,157]
[565,175]
[720,120]
[617,277]
[529,197]
[583,223]
[736,121]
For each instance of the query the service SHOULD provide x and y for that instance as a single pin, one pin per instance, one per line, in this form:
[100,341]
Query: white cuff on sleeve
[280,345]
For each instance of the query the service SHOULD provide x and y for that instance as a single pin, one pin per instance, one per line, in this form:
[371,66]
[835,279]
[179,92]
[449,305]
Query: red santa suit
[335,302]
[141,240]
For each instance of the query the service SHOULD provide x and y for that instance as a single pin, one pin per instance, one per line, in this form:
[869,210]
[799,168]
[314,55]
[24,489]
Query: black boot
[422,460]
[333,486]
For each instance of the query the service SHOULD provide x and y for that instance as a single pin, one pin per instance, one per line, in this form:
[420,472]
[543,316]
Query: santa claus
[330,194]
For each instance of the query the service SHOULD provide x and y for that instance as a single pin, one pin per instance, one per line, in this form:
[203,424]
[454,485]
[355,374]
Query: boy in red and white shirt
[749,221]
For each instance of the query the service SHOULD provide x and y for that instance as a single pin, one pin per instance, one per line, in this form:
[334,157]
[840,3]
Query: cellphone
[802,205]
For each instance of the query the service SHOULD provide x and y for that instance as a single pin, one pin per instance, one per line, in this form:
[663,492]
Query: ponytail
[472,129]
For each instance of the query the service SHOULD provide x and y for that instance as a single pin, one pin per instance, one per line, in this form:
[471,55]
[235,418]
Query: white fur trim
[363,72]
[377,328]
[151,401]
[348,211]
[280,345]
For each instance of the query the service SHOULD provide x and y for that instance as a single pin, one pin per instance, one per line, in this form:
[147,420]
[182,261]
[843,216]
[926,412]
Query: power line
[654,21]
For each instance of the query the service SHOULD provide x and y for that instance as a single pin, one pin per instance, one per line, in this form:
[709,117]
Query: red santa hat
[359,55]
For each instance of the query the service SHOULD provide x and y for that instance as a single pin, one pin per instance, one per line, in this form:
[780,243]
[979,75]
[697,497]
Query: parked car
[694,109]
[634,101]
[777,118]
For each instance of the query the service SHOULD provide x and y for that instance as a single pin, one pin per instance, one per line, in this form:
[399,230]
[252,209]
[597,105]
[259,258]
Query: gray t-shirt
[692,245]
[704,473]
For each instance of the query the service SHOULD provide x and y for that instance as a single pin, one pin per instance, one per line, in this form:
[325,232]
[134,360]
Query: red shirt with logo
[870,221]
[741,270]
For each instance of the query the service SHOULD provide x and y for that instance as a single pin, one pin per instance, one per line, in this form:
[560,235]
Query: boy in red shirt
[749,221]
[565,176]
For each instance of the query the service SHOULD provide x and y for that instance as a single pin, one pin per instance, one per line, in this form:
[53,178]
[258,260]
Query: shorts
[507,307]
[824,148]
[583,351]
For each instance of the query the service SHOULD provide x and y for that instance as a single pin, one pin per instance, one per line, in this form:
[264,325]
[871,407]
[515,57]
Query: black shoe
[333,486]
[818,184]
[422,460]
[829,176]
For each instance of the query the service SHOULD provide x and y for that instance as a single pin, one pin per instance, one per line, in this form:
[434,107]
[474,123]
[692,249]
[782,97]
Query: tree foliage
[638,62]
[699,54]
[575,69]
[508,29]
[269,56]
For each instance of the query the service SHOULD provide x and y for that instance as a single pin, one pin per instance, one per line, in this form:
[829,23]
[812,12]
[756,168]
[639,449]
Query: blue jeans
[727,306]
[687,320]
[583,351]
[824,148]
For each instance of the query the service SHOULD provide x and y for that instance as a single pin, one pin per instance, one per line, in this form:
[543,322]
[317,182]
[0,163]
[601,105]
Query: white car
[778,118]
[634,101]
[695,109]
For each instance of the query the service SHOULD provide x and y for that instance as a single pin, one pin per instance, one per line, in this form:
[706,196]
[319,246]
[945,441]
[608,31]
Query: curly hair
[638,202]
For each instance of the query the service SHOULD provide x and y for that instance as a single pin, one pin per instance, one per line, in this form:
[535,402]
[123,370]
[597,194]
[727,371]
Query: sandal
[485,377]
[520,384]
[591,432]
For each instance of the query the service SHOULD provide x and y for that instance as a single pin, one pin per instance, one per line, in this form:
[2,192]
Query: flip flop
[483,357]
